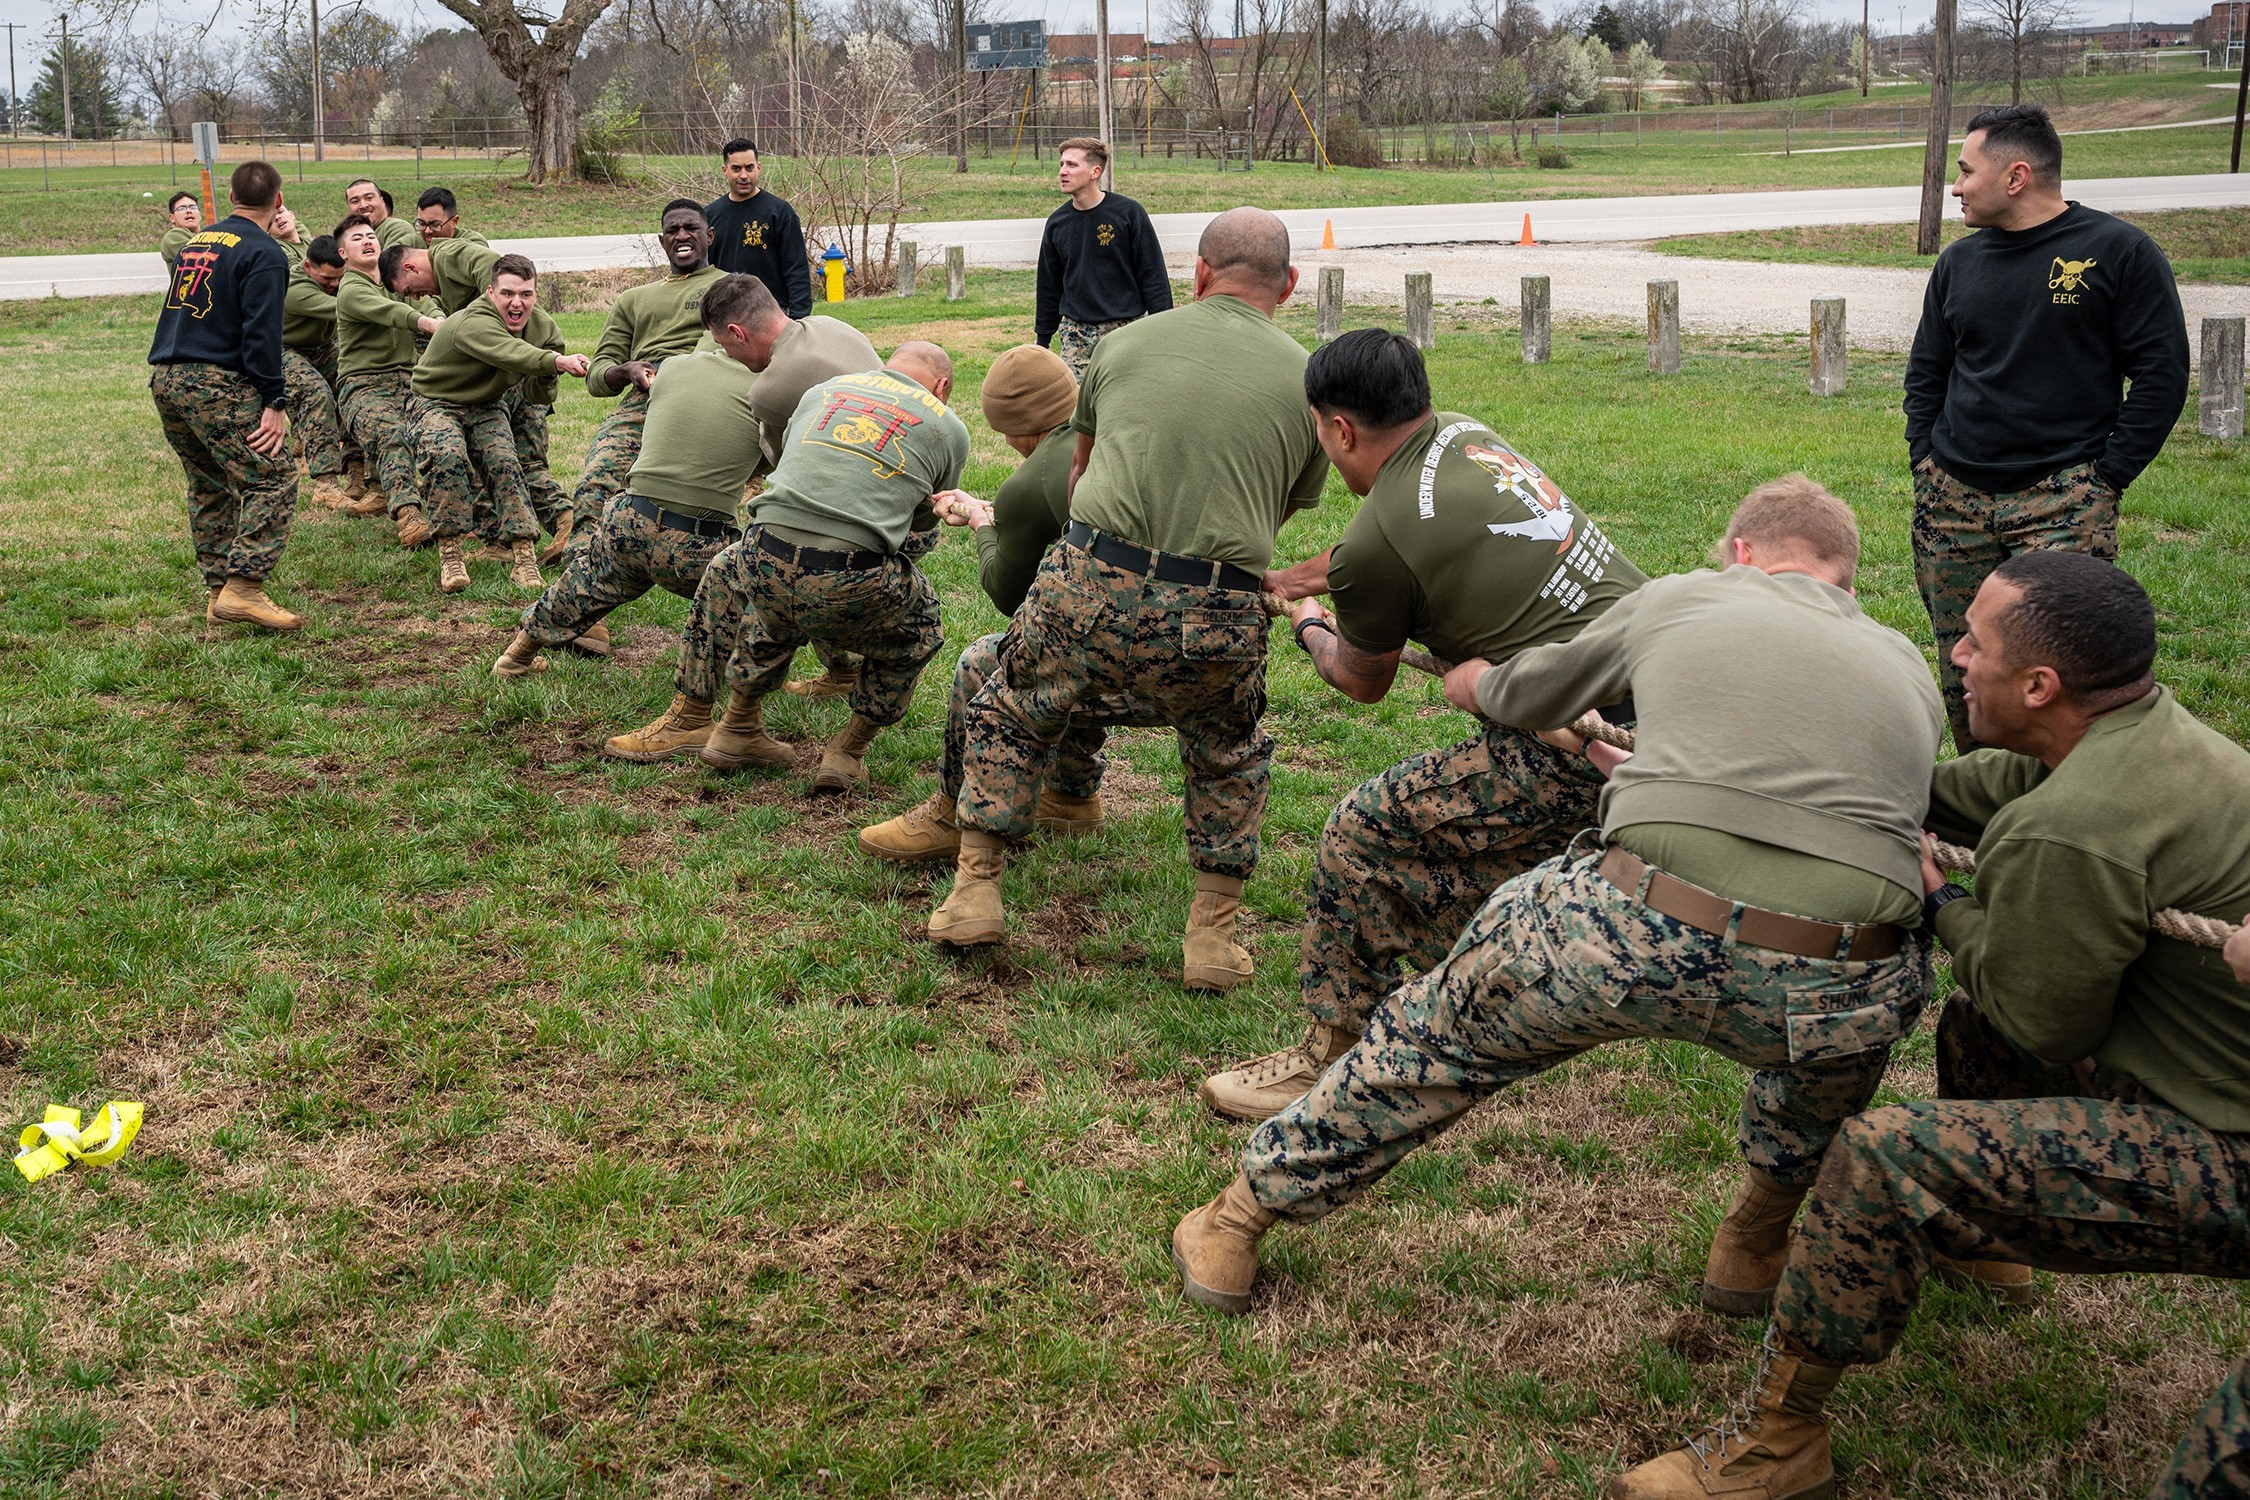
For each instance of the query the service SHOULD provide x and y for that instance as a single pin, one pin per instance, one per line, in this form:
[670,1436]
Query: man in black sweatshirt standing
[2021,433]
[1100,266]
[756,233]
[222,397]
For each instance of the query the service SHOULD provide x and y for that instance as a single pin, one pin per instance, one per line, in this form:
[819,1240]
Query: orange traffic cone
[1327,234]
[1526,241]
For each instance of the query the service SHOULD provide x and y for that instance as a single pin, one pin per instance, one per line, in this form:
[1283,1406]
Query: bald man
[821,562]
[1194,445]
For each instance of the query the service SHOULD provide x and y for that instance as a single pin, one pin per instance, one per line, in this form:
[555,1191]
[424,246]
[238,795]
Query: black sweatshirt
[1099,265]
[2026,339]
[224,306]
[762,238]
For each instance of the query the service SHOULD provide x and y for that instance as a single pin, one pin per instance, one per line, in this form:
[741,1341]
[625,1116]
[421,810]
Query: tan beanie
[1028,392]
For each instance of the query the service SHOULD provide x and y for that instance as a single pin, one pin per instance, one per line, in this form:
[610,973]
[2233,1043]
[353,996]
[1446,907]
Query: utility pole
[1101,86]
[67,131]
[1866,43]
[960,86]
[1320,83]
[796,141]
[2241,98]
[15,102]
[319,96]
[1936,150]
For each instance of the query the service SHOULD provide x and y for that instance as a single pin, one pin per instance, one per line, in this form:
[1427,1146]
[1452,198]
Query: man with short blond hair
[1100,265]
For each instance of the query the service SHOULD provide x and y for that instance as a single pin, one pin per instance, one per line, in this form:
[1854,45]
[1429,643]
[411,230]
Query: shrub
[1554,157]
[1351,144]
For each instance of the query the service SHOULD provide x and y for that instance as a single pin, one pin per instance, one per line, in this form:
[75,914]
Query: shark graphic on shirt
[1521,479]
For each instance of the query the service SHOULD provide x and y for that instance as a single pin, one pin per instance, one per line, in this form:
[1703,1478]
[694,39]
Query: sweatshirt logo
[2068,277]
[754,235]
[191,281]
[1105,235]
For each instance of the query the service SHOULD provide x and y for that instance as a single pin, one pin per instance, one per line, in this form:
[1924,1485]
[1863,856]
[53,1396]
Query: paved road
[1004,242]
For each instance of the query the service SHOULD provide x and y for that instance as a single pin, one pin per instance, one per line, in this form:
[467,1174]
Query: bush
[605,135]
[1554,157]
[1351,144]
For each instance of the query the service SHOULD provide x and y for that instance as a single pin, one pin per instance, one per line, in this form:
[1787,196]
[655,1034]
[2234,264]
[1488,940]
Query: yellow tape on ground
[57,1141]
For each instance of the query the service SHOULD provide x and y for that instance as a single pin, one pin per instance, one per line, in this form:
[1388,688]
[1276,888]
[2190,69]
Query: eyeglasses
[437,223]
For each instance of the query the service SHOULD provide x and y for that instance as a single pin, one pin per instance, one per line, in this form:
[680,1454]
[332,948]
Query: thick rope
[2171,922]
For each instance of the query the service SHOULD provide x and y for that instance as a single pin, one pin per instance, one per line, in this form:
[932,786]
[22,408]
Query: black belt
[1164,567]
[814,560]
[672,520]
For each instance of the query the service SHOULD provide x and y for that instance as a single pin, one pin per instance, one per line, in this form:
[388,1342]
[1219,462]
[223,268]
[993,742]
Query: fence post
[908,251]
[1328,316]
[956,272]
[1664,328]
[1418,314]
[2219,409]
[1828,357]
[1538,311]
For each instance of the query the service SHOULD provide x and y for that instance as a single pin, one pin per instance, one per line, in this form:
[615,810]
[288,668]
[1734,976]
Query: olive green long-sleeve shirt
[308,312]
[475,358]
[2147,812]
[652,322]
[172,241]
[374,330]
[1031,509]
[463,269]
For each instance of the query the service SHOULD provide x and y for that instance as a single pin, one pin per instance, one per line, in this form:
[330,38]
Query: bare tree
[536,52]
[2025,30]
[159,61]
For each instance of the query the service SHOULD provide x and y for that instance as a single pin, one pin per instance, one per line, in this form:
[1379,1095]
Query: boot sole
[1212,981]
[585,647]
[538,665]
[1737,1304]
[1068,827]
[647,757]
[1203,1296]
[970,937]
[1248,1114]
[830,784]
[899,857]
[220,617]
[729,764]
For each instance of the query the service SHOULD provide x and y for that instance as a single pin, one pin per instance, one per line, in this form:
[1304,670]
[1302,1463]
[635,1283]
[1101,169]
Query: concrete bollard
[1419,325]
[956,272]
[909,255]
[1828,357]
[1538,326]
[2219,409]
[1664,328]
[1328,307]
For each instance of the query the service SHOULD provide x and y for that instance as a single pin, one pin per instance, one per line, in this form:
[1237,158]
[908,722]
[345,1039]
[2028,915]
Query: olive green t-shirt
[809,351]
[462,269]
[475,357]
[1031,509]
[864,455]
[652,322]
[172,241]
[700,446]
[398,230]
[1761,874]
[374,329]
[1465,545]
[308,311]
[1203,444]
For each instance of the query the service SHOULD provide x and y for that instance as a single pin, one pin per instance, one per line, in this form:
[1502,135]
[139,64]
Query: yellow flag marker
[58,1140]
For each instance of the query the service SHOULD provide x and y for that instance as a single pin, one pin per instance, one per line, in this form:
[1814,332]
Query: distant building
[2228,23]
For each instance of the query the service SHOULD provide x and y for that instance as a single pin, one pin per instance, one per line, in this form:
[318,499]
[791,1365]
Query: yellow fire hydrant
[833,266]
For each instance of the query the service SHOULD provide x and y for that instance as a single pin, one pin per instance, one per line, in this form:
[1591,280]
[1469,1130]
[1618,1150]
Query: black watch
[1934,900]
[1298,630]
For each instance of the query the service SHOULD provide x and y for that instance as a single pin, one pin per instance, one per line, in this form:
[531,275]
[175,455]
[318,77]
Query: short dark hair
[438,197]
[388,263]
[738,299]
[1372,375]
[513,265]
[324,251]
[2088,619]
[666,212]
[362,181]
[739,143]
[2022,132]
[174,201]
[351,221]
[255,184]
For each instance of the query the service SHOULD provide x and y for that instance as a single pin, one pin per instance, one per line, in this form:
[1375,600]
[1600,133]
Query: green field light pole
[319,96]
[1936,153]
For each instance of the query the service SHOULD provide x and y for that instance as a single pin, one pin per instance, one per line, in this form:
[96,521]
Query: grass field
[103,208]
[2203,244]
[525,1123]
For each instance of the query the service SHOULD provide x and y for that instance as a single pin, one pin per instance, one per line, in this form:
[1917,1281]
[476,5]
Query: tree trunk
[551,143]
[539,67]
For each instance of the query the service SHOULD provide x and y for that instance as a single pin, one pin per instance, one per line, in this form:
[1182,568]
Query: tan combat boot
[554,548]
[413,531]
[740,739]
[2009,1282]
[826,685]
[1215,1249]
[921,835]
[1210,957]
[329,492]
[1058,813]
[355,479]
[210,607]
[523,566]
[453,568]
[242,602]
[521,659]
[1751,1247]
[972,916]
[593,640]
[1772,1446]
[843,763]
[679,730]
[1265,1086]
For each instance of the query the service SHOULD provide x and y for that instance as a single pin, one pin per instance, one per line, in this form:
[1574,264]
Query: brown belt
[1706,911]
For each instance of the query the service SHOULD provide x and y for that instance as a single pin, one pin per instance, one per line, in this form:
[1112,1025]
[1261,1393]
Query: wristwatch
[1298,630]
[1938,898]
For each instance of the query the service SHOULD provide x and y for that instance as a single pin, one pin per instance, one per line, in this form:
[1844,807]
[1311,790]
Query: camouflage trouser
[381,411]
[753,610]
[313,422]
[1410,855]
[239,501]
[2047,1168]
[628,555]
[2212,1461]
[323,357]
[1961,535]
[1075,341]
[1558,962]
[463,455]
[1077,771]
[529,423]
[1194,657]
[609,460]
